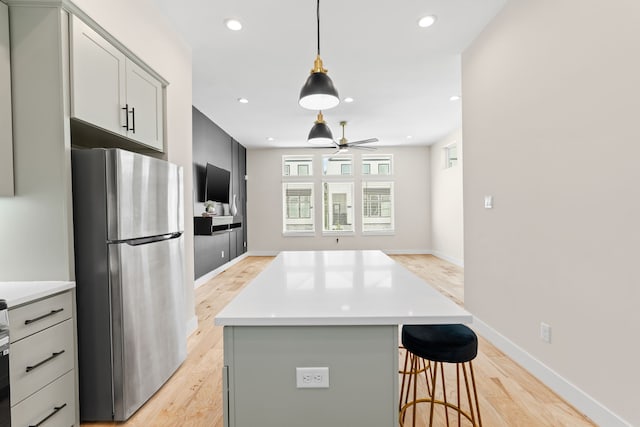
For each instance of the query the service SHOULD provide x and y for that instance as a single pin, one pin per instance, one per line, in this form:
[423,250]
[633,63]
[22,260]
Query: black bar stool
[429,347]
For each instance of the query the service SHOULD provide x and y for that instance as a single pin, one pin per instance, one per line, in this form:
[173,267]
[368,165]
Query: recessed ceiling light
[427,21]
[243,100]
[270,138]
[233,24]
[409,136]
[454,98]
[348,99]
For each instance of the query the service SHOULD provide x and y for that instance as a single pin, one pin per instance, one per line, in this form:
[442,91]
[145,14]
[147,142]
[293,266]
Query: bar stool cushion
[441,343]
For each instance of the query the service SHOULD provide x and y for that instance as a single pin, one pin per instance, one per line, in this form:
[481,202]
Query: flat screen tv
[217,184]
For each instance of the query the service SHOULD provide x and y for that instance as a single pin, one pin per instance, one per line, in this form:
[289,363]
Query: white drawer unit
[31,318]
[52,406]
[39,359]
[42,361]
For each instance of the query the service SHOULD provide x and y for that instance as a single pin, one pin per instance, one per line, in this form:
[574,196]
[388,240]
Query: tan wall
[551,100]
[412,204]
[446,201]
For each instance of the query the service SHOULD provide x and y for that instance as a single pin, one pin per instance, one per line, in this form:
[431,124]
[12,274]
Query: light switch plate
[488,202]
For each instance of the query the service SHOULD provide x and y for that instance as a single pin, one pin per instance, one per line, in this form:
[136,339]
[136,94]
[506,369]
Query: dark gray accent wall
[213,145]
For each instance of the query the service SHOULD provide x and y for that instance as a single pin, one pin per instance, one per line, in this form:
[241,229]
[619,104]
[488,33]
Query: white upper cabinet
[112,92]
[6,134]
[144,98]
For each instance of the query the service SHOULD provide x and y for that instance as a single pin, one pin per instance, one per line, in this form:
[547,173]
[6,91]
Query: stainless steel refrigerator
[128,226]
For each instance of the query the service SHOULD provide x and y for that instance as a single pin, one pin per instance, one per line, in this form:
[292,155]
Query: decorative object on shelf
[209,208]
[318,92]
[225,209]
[320,132]
[234,207]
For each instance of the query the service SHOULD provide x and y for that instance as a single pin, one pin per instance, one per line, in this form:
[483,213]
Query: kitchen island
[334,310]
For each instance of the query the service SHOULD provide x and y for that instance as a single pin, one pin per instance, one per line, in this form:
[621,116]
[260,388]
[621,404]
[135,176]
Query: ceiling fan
[343,145]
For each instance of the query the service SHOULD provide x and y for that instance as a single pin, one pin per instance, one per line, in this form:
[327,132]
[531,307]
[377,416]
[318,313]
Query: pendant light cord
[318,21]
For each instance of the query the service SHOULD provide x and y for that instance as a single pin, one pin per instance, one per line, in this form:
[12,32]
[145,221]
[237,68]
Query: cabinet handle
[126,116]
[48,359]
[44,316]
[56,409]
[133,119]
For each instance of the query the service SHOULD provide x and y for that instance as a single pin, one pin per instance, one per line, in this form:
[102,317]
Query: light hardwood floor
[509,396]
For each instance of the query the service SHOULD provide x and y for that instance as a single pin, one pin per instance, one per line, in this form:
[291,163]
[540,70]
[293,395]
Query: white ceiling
[400,75]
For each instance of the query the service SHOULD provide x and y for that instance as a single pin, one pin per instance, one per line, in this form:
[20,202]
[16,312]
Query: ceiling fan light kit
[318,92]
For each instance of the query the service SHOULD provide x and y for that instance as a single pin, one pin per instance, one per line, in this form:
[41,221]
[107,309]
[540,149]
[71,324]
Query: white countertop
[338,288]
[18,293]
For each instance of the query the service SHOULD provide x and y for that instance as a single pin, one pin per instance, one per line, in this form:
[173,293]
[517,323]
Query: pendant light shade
[320,133]
[318,92]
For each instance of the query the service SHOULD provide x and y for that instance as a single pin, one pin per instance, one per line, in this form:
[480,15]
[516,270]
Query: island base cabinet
[259,383]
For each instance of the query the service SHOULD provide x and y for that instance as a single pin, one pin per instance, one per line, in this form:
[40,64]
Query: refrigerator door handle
[146,240]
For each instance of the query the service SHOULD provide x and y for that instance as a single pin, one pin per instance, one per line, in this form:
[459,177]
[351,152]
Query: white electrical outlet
[545,332]
[222,255]
[312,377]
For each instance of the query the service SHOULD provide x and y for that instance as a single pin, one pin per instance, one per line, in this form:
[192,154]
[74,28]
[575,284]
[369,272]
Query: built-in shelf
[208,225]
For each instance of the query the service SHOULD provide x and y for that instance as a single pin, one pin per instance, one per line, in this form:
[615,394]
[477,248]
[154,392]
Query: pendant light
[318,92]
[320,133]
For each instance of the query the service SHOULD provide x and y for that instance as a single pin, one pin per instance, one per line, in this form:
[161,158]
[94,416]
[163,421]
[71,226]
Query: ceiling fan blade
[335,145]
[364,141]
[362,147]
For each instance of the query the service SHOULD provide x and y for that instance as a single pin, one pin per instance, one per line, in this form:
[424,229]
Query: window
[338,189]
[336,165]
[297,207]
[337,210]
[377,206]
[297,165]
[451,156]
[303,169]
[376,164]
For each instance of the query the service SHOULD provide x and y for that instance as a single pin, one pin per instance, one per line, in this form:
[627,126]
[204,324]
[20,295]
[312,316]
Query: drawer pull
[53,356]
[44,316]
[56,409]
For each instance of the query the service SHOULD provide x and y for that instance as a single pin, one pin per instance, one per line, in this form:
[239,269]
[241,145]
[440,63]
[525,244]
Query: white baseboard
[192,325]
[262,253]
[210,275]
[407,251]
[452,260]
[579,399]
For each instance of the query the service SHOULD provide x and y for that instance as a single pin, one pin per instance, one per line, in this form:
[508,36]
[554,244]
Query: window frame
[289,160]
[285,206]
[449,161]
[367,205]
[328,210]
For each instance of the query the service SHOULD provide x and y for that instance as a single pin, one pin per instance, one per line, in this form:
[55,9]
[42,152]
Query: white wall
[412,204]
[446,201]
[551,99]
